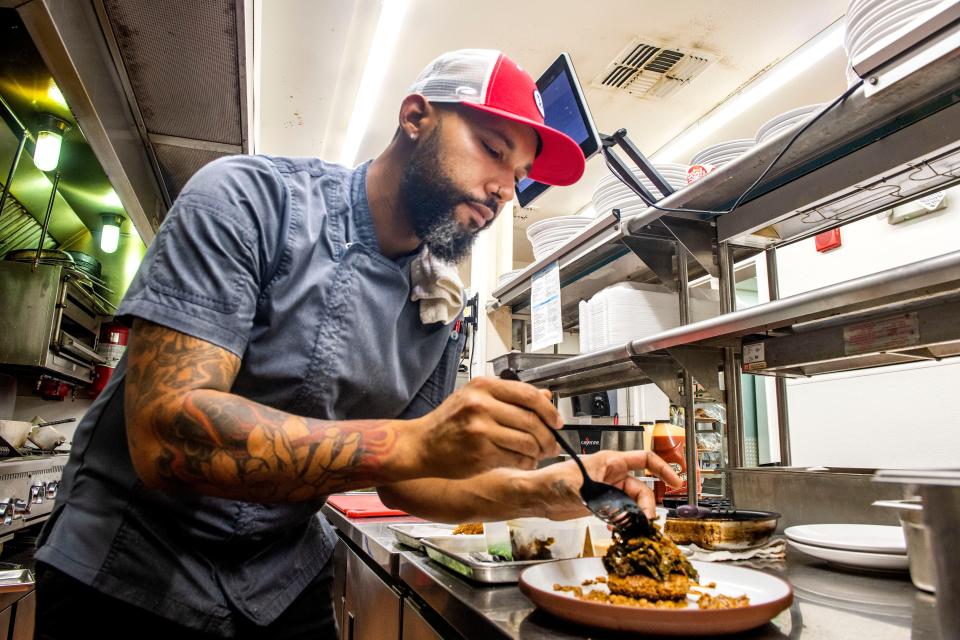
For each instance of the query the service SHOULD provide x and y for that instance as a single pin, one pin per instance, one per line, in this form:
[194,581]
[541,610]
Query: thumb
[637,460]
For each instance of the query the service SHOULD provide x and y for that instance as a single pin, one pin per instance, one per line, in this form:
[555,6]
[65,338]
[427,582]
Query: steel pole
[690,423]
[13,168]
[731,371]
[783,417]
[46,218]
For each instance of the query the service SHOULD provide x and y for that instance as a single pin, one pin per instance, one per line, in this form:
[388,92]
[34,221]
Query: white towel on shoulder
[437,285]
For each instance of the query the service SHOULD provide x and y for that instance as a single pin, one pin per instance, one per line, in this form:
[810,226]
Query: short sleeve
[214,252]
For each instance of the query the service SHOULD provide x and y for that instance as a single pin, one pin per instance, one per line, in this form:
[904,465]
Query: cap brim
[560,162]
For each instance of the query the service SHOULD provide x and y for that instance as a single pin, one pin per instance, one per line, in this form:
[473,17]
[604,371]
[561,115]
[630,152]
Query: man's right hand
[488,423]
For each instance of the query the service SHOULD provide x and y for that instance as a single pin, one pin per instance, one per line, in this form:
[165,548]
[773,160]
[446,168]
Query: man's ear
[417,116]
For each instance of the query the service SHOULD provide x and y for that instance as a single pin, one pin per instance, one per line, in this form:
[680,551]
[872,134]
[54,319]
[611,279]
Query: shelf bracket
[703,365]
[699,238]
[657,254]
[664,375]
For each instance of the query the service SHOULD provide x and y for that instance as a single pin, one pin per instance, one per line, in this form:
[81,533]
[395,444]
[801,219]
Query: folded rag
[437,285]
[775,549]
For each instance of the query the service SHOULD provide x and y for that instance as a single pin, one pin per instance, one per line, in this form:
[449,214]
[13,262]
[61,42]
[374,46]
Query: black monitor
[565,109]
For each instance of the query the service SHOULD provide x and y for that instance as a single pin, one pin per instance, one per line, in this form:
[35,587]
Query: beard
[431,198]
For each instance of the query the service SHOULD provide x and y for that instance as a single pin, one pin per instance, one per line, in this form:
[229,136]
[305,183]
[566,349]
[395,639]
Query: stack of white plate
[786,122]
[630,310]
[507,277]
[860,546]
[720,154]
[547,235]
[610,193]
[870,21]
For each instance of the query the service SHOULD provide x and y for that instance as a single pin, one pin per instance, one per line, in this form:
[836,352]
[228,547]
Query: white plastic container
[544,539]
[497,537]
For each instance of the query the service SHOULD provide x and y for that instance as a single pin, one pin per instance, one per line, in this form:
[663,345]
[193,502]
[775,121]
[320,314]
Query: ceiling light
[50,130]
[680,148]
[378,58]
[110,232]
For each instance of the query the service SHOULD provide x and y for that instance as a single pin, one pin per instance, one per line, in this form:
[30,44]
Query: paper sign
[545,308]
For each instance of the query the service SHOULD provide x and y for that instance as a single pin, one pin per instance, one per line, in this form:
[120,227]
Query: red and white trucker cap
[487,80]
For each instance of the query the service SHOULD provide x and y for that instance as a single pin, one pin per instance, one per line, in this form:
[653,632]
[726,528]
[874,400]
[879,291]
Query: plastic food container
[497,537]
[543,539]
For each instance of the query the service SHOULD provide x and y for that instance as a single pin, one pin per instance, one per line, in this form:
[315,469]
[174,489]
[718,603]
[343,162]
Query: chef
[291,338]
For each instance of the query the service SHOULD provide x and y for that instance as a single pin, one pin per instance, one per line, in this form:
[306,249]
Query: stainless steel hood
[158,88]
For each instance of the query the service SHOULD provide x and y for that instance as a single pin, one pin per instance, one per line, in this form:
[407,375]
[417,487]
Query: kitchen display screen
[565,109]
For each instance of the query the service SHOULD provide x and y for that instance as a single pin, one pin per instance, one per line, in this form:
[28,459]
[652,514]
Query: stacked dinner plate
[547,235]
[860,546]
[786,122]
[611,193]
[720,154]
[870,21]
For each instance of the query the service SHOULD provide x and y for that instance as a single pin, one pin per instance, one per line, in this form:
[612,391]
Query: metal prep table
[829,604]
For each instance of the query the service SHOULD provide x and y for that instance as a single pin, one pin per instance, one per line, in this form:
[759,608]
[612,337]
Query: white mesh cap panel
[457,76]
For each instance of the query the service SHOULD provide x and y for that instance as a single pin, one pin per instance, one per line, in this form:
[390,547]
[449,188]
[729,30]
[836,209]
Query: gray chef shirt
[275,260]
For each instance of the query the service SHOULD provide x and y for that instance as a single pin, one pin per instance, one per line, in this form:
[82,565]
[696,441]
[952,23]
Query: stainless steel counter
[829,603]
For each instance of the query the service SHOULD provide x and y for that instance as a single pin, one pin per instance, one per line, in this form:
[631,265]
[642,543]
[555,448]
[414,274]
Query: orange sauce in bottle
[669,442]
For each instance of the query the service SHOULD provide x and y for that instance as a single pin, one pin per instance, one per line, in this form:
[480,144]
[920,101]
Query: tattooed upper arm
[163,365]
[186,431]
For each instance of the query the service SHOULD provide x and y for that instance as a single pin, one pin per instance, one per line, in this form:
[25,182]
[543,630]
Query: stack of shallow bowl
[611,193]
[870,21]
[788,121]
[507,277]
[547,235]
[720,154]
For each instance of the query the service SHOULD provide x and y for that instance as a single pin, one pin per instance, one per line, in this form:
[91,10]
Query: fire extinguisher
[113,343]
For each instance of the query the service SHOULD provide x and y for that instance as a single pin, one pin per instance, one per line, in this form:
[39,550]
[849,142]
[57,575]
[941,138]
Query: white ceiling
[312,54]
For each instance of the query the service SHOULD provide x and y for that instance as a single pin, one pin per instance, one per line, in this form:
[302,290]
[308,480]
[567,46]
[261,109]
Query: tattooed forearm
[187,432]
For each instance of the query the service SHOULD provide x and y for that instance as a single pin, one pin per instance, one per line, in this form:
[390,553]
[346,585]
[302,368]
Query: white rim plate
[768,595]
[870,538]
[855,559]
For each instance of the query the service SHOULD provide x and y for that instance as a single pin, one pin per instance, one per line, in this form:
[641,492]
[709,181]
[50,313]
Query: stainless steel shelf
[797,321]
[867,155]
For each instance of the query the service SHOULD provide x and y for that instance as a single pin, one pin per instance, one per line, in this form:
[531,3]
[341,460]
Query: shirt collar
[363,219]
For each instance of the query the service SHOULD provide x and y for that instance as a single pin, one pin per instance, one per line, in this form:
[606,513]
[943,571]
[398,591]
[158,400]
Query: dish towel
[437,285]
[775,549]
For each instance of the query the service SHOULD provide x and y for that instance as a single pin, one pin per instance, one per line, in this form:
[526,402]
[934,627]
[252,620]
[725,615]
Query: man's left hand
[558,485]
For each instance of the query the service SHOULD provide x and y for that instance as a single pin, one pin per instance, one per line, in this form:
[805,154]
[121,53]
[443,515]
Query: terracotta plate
[768,595]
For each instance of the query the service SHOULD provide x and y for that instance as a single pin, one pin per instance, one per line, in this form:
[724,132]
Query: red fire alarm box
[828,240]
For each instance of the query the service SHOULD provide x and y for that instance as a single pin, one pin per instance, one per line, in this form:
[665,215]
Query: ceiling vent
[646,70]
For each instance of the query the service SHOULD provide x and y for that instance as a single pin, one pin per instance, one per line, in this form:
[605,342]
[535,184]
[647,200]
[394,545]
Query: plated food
[767,596]
[647,571]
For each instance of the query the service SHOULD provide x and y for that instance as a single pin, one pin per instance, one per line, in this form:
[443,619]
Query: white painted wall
[891,417]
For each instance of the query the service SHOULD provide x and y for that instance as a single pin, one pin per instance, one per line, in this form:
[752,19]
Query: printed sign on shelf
[545,308]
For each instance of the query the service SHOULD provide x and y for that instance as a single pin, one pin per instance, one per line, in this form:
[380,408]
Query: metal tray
[454,553]
[519,361]
[411,534]
[13,580]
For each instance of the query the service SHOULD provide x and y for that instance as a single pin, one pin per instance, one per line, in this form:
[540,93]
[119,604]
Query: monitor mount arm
[623,172]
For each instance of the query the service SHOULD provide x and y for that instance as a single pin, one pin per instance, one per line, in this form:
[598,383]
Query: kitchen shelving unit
[869,154]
